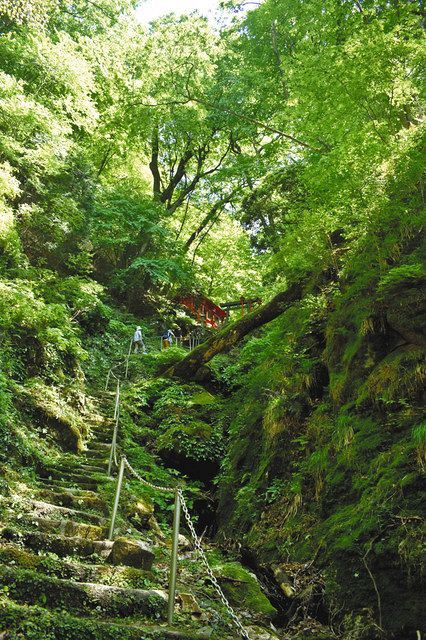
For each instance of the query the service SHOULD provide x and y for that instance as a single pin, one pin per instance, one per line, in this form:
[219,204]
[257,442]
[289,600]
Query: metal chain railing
[113,450]
[145,482]
[198,547]
[179,502]
[112,374]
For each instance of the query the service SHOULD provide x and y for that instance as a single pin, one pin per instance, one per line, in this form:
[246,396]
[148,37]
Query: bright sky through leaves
[153,9]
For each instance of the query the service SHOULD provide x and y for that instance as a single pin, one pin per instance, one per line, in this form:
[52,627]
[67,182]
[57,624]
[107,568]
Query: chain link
[145,482]
[197,544]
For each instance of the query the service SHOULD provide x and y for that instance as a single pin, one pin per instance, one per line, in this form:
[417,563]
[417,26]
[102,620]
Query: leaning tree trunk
[191,367]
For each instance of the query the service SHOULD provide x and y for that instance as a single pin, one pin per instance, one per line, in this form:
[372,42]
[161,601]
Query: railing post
[117,399]
[117,498]
[112,453]
[174,558]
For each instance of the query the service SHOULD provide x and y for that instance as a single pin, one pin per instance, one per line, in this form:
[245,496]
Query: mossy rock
[400,375]
[243,590]
[402,291]
[51,411]
[140,511]
[23,621]
[203,398]
[132,553]
[191,441]
[258,633]
[28,587]
[19,557]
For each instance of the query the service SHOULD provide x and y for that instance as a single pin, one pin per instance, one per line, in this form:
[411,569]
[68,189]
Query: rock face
[131,553]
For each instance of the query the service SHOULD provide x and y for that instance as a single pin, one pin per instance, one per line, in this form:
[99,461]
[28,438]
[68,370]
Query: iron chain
[145,482]
[197,544]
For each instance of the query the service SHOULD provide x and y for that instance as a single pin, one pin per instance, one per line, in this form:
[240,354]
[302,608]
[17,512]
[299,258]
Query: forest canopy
[144,156]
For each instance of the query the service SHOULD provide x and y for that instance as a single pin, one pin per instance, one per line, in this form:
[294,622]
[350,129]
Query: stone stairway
[57,579]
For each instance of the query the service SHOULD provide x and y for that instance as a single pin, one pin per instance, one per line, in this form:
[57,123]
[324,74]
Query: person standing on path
[167,338]
[138,342]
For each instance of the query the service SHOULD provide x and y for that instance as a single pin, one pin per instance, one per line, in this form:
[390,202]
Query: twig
[379,600]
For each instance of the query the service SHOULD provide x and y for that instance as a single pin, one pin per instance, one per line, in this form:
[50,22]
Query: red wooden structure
[245,304]
[204,310]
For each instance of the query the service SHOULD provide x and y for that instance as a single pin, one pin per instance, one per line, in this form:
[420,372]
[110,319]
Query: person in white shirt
[138,342]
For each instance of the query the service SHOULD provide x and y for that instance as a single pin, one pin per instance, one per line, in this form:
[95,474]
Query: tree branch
[217,208]
[240,115]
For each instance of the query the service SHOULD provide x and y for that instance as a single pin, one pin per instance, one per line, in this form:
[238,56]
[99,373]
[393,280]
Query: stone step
[73,476]
[18,619]
[78,467]
[102,437]
[58,483]
[102,442]
[41,508]
[63,527]
[107,427]
[77,498]
[108,421]
[96,446]
[98,459]
[100,452]
[121,576]
[39,541]
[29,587]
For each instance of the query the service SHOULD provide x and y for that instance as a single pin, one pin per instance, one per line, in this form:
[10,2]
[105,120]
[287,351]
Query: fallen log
[190,368]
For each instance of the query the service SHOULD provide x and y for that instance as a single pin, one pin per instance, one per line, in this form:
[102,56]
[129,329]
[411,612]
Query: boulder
[132,553]
[285,581]
[155,527]
[184,543]
[259,633]
[188,604]
[140,511]
[243,590]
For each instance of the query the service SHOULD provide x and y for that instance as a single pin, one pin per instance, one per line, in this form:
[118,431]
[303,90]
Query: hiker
[167,338]
[138,341]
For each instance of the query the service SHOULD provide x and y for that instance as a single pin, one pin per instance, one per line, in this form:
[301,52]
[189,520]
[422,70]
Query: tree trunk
[153,165]
[191,366]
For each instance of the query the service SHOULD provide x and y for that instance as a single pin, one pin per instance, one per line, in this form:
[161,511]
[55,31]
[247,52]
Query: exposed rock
[243,590]
[258,633]
[58,417]
[133,553]
[140,511]
[188,603]
[153,524]
[184,543]
[284,581]
[309,628]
